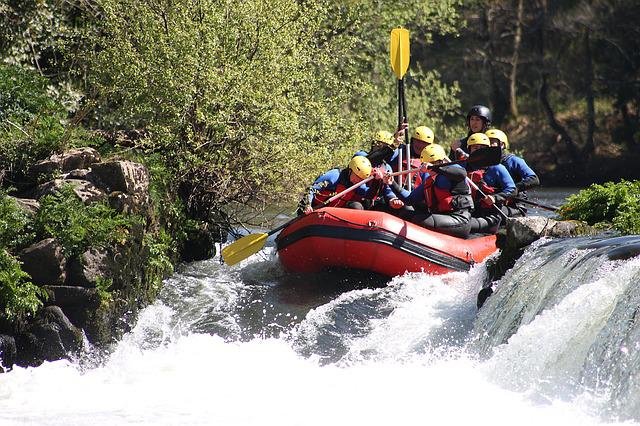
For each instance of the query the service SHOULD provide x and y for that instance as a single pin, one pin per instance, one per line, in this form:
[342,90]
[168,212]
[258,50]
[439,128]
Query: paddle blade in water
[243,248]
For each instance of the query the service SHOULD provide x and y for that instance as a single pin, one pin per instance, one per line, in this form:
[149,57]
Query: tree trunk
[628,126]
[513,75]
[498,98]
[543,92]
[590,98]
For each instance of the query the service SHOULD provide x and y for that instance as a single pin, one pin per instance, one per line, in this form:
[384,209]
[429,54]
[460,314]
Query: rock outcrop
[98,293]
[518,234]
[94,291]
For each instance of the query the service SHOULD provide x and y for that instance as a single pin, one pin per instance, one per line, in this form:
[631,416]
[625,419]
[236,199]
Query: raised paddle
[484,157]
[253,243]
[533,203]
[399,56]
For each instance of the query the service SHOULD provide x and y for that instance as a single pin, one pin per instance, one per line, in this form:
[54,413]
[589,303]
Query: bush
[78,227]
[31,122]
[159,265]
[18,296]
[16,227]
[252,110]
[23,95]
[617,204]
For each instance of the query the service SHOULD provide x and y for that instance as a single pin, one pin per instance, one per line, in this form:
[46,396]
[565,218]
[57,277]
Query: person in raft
[495,182]
[422,137]
[442,202]
[478,121]
[335,181]
[382,149]
[523,175]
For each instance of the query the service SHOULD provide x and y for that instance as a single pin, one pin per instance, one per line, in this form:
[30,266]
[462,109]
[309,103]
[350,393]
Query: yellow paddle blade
[399,51]
[243,248]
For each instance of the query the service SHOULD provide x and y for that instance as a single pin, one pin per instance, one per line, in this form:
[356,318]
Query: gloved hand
[461,154]
[487,202]
[378,173]
[424,167]
[308,210]
[398,136]
[396,203]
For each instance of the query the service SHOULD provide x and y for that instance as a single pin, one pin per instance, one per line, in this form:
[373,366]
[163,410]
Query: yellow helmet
[498,134]
[478,139]
[424,134]
[384,137]
[432,152]
[361,166]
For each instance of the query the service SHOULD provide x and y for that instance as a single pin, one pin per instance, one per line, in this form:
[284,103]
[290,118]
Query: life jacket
[438,200]
[324,194]
[477,177]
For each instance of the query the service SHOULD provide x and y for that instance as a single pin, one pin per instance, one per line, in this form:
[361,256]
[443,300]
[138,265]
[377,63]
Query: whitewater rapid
[239,346]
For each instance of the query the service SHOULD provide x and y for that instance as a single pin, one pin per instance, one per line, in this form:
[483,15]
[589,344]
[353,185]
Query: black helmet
[482,112]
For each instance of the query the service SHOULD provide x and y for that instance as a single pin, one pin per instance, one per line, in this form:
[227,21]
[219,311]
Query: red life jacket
[324,194]
[438,200]
[477,177]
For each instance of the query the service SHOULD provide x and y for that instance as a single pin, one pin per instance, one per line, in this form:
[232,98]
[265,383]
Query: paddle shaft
[474,186]
[253,243]
[399,55]
[407,141]
[400,119]
[477,188]
[533,203]
[417,169]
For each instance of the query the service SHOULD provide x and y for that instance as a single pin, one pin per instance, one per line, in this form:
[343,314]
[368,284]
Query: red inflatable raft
[375,241]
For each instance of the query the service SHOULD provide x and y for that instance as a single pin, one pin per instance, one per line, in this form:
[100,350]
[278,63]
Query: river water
[557,343]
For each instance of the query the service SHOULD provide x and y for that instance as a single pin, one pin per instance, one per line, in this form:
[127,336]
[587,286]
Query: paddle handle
[404,172]
[533,203]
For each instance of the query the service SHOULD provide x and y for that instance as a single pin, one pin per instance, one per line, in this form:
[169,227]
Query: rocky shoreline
[95,294]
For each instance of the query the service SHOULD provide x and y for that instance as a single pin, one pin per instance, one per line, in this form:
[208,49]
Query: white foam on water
[200,379]
[408,368]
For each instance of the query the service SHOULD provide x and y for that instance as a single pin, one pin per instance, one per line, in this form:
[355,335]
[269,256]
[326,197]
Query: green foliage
[23,95]
[253,99]
[42,35]
[78,227]
[366,43]
[159,264]
[18,296]
[103,285]
[31,123]
[16,227]
[614,203]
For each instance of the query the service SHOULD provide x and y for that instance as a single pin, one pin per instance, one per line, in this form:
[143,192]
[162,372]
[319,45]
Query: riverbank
[85,250]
